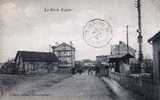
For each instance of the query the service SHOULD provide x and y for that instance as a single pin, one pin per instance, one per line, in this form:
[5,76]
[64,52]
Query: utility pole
[127,39]
[127,43]
[140,37]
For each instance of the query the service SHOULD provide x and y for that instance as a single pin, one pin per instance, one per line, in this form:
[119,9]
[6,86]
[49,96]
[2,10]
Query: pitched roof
[121,56]
[63,44]
[33,56]
[113,58]
[155,37]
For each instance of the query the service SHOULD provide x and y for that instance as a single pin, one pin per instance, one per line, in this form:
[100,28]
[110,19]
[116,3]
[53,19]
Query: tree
[9,67]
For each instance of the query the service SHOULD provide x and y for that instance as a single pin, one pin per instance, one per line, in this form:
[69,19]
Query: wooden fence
[145,89]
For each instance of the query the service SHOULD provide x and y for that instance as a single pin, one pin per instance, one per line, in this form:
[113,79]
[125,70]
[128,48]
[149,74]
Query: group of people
[98,69]
[77,69]
[93,71]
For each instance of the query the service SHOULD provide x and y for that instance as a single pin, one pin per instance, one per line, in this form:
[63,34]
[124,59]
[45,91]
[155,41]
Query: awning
[114,58]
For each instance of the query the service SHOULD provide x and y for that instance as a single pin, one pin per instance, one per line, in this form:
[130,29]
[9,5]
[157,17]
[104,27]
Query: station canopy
[115,58]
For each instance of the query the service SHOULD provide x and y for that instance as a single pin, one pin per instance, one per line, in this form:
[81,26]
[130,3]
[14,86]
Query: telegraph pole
[127,39]
[127,43]
[140,37]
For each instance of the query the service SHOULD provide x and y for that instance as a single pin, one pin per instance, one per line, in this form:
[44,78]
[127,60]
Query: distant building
[66,56]
[120,56]
[88,63]
[155,41]
[28,61]
[102,58]
[103,62]
[121,49]
[78,62]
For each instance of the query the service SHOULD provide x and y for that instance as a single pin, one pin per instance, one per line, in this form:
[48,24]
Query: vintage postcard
[80,49]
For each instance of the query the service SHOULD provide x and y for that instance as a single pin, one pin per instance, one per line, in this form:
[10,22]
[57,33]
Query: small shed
[115,60]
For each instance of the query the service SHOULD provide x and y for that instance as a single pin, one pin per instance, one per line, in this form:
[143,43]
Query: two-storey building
[66,56]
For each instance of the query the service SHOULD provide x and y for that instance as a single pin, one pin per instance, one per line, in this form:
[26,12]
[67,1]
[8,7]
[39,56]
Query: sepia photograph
[79,49]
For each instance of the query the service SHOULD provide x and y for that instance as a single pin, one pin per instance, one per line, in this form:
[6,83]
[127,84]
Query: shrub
[9,67]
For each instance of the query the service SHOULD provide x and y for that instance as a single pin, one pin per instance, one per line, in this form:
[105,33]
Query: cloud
[14,20]
[24,26]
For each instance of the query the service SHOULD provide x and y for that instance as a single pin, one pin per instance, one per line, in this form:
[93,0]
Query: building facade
[120,57]
[155,41]
[121,49]
[29,61]
[66,56]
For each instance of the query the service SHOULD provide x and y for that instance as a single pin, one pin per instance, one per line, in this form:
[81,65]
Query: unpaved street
[88,87]
[84,85]
[31,86]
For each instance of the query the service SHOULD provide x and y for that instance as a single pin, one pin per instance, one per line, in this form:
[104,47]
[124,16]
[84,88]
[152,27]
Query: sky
[24,25]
